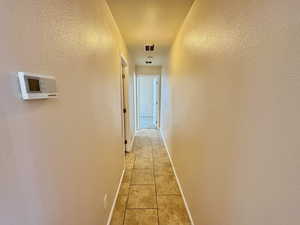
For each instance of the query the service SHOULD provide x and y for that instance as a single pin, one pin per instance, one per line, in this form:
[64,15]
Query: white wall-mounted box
[34,86]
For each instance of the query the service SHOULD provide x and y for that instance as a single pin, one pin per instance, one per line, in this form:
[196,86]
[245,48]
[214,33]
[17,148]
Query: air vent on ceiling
[149,48]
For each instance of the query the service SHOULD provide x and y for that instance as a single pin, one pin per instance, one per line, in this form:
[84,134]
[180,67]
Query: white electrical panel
[35,86]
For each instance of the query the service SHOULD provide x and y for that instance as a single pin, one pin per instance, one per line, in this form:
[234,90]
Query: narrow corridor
[214,82]
[149,194]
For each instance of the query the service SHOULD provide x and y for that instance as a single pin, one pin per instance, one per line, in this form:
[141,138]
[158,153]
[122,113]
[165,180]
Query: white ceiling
[149,21]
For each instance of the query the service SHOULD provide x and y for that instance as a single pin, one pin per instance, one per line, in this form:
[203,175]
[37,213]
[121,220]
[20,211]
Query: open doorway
[148,101]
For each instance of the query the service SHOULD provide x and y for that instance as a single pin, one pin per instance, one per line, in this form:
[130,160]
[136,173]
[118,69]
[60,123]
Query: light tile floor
[149,193]
[146,122]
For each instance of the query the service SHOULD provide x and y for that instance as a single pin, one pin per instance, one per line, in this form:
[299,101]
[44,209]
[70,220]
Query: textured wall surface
[59,157]
[148,70]
[232,88]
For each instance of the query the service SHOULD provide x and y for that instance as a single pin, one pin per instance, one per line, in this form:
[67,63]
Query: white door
[147,96]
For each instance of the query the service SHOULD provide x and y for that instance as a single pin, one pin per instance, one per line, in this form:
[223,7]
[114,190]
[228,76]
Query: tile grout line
[150,144]
[177,179]
[130,180]
[115,200]
[155,183]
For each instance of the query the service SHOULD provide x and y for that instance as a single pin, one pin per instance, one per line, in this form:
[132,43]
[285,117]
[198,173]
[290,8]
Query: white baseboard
[130,146]
[177,179]
[115,199]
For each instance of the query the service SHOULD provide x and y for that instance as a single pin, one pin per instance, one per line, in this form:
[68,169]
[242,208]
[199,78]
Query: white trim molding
[115,199]
[124,60]
[130,147]
[177,179]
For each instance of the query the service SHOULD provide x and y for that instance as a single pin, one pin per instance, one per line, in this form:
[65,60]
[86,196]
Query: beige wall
[232,121]
[148,70]
[59,157]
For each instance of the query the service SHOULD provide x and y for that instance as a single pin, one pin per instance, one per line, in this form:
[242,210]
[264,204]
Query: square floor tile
[158,153]
[137,145]
[143,163]
[156,142]
[141,217]
[143,152]
[129,160]
[162,162]
[119,211]
[158,147]
[166,185]
[127,176]
[163,171]
[124,189]
[142,196]
[142,176]
[171,211]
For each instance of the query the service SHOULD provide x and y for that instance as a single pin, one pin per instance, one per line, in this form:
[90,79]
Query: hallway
[149,194]
[203,94]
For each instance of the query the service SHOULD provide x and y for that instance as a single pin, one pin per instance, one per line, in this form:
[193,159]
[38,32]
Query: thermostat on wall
[35,86]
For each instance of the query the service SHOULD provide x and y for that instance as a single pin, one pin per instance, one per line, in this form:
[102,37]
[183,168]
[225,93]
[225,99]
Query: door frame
[124,107]
[157,101]
[137,108]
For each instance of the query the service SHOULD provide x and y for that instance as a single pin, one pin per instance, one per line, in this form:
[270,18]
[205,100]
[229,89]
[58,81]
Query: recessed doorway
[148,101]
